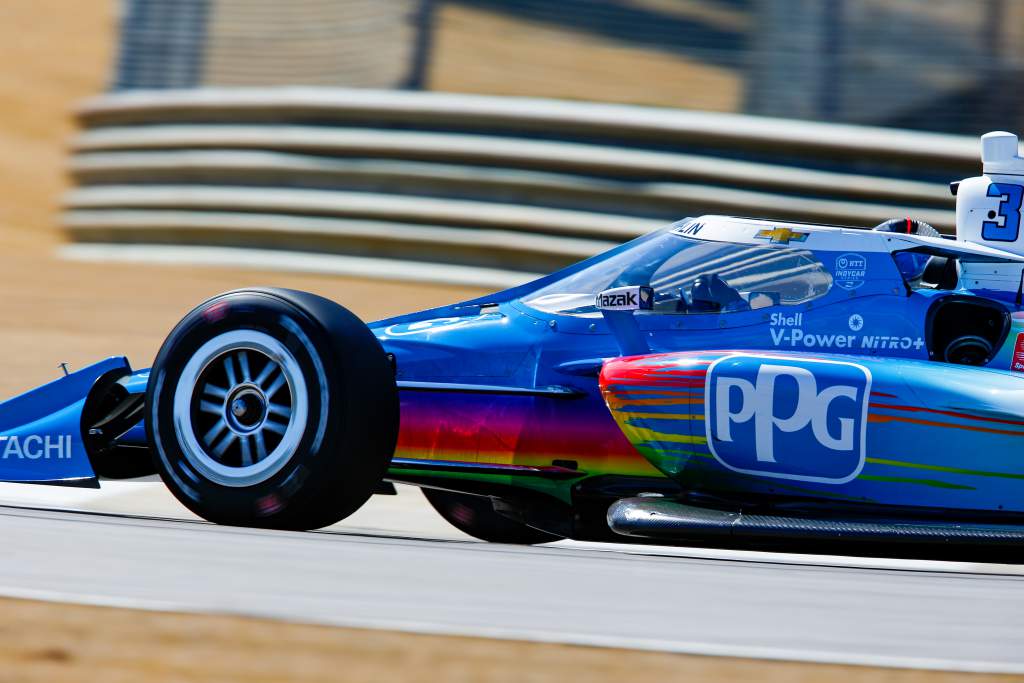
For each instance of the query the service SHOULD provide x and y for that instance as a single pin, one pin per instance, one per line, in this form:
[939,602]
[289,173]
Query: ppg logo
[787,418]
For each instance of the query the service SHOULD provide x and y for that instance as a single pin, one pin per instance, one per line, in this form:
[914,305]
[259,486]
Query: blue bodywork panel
[926,430]
[40,431]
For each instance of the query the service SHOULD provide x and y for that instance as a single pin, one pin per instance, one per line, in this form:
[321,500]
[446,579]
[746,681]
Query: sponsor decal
[882,341]
[804,420]
[851,269]
[35,447]
[437,324]
[787,332]
[781,235]
[1017,361]
[797,338]
[786,320]
[692,228]
[639,298]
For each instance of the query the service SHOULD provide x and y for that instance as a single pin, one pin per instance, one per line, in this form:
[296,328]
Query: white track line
[409,506]
[408,515]
[806,559]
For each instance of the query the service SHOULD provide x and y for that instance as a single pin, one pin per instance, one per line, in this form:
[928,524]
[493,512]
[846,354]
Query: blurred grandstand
[944,65]
[320,125]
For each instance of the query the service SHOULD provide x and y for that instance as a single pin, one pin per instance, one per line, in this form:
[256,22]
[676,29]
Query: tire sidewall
[285,496]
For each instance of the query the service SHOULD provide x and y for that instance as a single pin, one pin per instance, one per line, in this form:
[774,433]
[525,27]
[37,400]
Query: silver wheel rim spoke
[222,446]
[215,431]
[279,410]
[229,370]
[215,392]
[261,446]
[212,408]
[264,375]
[275,386]
[274,427]
[246,451]
[243,364]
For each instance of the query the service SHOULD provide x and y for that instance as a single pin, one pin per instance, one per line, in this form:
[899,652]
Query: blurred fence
[191,43]
[515,185]
[941,65]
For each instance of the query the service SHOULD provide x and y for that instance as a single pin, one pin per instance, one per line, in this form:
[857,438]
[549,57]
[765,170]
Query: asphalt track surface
[938,615]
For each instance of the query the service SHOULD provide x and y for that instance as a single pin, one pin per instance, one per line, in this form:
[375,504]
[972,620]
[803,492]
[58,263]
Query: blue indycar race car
[722,381]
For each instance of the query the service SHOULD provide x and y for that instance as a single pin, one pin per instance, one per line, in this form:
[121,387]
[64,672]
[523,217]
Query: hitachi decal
[34,447]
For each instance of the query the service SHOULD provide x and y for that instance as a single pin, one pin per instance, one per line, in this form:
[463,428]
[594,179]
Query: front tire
[272,408]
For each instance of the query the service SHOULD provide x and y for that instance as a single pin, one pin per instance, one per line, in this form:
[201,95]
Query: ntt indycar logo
[786,418]
[35,447]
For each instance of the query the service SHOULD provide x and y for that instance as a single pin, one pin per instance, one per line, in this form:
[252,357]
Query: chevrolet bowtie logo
[781,235]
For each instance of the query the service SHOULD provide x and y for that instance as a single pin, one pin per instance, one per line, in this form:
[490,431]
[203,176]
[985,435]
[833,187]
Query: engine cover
[749,425]
[989,212]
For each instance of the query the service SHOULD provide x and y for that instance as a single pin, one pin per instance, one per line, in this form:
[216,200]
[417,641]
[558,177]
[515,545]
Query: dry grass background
[49,643]
[476,51]
[56,52]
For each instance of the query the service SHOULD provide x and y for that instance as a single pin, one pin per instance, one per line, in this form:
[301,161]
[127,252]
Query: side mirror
[617,306]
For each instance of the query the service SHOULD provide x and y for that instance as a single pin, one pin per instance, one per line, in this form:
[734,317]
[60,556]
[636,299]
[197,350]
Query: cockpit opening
[692,276]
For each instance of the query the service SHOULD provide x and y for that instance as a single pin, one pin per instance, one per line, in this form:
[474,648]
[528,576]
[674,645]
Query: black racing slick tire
[272,408]
[475,515]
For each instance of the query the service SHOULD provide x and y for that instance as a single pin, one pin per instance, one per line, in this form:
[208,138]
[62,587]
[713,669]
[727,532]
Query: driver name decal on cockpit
[691,228]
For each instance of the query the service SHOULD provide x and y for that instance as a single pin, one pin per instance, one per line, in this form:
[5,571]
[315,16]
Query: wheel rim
[240,408]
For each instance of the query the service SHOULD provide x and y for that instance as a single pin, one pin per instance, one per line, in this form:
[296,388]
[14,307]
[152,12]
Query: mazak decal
[35,447]
[851,269]
[781,235]
[639,298]
[804,420]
